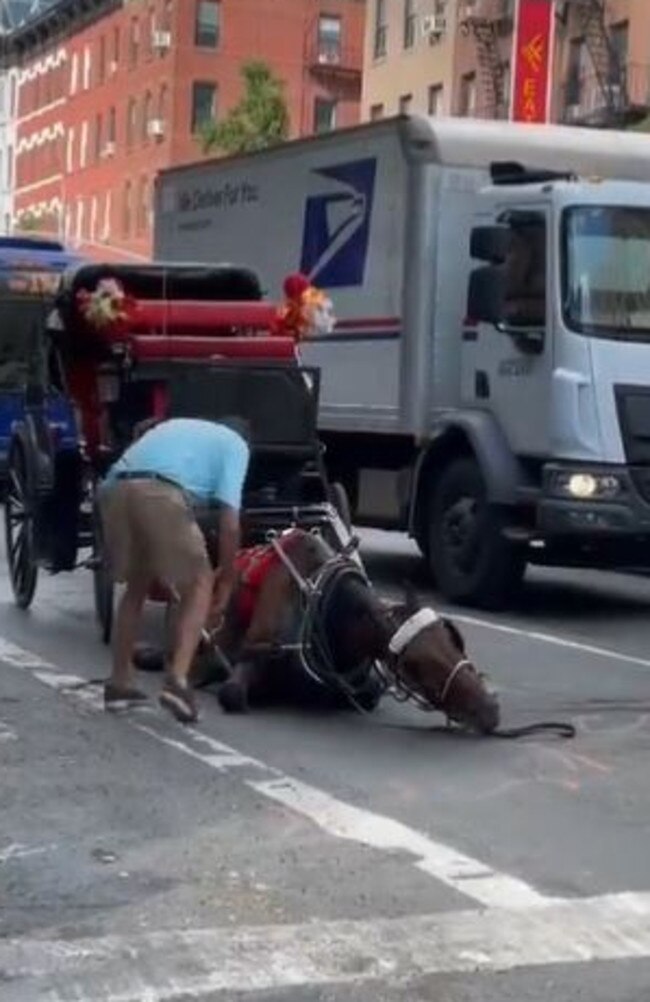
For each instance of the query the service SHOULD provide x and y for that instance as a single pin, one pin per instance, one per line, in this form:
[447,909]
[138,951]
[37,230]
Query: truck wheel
[472,561]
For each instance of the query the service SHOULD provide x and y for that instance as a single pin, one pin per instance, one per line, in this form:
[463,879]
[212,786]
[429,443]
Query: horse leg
[233,695]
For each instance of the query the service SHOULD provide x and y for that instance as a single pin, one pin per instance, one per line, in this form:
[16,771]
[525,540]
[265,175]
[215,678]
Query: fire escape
[488,22]
[612,105]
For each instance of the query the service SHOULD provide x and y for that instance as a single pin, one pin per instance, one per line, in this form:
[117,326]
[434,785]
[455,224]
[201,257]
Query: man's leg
[190,620]
[178,557]
[127,620]
[121,552]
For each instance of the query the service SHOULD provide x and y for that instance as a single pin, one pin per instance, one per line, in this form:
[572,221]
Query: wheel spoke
[16,543]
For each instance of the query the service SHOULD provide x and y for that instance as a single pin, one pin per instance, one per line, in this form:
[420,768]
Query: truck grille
[641,480]
[633,406]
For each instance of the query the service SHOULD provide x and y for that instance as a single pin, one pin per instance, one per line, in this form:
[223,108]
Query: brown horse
[312,624]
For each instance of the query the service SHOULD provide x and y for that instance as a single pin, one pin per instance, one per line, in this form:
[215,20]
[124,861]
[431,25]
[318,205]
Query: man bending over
[148,508]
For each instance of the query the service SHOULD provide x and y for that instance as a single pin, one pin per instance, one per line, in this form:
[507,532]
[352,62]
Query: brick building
[459,57]
[111,91]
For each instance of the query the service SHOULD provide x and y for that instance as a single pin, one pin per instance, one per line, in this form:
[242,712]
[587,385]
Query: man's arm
[229,542]
[233,477]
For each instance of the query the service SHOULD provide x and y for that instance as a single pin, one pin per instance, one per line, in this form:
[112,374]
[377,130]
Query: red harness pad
[253,566]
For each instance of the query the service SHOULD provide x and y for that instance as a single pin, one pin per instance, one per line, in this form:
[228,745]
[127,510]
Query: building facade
[460,57]
[111,91]
[8,106]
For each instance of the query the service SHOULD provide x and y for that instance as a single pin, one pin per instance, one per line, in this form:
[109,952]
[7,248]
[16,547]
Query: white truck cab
[487,387]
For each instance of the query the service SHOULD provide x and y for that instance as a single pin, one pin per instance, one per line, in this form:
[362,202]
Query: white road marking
[192,963]
[7,733]
[19,851]
[469,877]
[466,875]
[554,639]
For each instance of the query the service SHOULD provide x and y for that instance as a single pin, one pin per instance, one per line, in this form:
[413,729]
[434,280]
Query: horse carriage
[123,345]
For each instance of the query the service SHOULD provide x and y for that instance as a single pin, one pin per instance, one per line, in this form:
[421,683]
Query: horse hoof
[232,697]
[148,658]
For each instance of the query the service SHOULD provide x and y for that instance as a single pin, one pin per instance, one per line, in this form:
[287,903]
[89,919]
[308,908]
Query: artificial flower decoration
[106,307]
[306,312]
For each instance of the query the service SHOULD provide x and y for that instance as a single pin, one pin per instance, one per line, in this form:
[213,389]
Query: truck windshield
[606,270]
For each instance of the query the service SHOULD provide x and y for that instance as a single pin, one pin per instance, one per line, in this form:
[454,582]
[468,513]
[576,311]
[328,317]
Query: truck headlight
[586,486]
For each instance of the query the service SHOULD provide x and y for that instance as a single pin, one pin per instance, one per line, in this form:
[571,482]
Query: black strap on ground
[562,729]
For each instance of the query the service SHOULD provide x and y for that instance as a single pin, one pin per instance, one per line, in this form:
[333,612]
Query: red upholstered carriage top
[136,315]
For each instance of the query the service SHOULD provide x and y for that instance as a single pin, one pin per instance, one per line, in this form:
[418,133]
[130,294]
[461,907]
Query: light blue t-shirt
[207,459]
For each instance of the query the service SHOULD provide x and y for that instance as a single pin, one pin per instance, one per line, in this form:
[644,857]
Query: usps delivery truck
[487,386]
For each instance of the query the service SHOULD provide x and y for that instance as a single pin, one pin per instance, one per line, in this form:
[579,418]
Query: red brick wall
[93,190]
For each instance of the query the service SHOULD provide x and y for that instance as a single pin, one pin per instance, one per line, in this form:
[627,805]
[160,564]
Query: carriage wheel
[104,587]
[20,528]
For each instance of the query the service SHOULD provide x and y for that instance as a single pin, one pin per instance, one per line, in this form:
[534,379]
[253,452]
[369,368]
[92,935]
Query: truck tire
[472,562]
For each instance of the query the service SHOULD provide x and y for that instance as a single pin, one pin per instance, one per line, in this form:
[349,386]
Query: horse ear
[412,603]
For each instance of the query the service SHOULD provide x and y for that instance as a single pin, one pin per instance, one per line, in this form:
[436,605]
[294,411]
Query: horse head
[428,658]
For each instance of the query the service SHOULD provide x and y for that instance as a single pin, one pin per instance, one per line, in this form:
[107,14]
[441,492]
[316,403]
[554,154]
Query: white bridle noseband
[412,628]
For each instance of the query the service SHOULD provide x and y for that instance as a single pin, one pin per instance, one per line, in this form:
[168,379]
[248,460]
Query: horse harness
[313,650]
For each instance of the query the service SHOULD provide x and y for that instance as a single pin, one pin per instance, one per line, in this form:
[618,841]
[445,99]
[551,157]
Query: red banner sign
[532,61]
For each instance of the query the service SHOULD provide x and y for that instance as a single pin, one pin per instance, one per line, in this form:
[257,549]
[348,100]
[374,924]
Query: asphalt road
[299,857]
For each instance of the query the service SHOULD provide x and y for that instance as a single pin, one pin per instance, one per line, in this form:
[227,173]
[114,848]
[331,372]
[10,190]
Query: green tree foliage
[261,118]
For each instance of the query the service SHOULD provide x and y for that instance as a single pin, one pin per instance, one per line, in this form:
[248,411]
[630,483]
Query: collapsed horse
[305,622]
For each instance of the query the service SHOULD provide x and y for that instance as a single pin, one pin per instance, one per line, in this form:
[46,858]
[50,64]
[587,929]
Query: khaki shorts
[150,533]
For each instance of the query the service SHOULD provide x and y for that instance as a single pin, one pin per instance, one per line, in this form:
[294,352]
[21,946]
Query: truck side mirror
[490,243]
[485,295]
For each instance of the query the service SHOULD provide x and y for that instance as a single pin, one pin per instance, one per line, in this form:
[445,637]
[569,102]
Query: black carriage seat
[280,405]
[168,281]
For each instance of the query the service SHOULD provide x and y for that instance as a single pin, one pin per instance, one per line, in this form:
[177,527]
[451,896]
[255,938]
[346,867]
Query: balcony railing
[332,59]
[585,101]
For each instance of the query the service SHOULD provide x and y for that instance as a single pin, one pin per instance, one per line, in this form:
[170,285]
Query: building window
[80,220]
[329,38]
[405,103]
[207,27]
[163,103]
[381,29]
[70,151]
[106,228]
[409,24]
[467,106]
[98,137]
[504,102]
[116,49]
[134,42]
[324,114]
[435,99]
[204,105]
[101,60]
[620,35]
[147,108]
[83,151]
[74,72]
[151,27]
[142,221]
[111,127]
[168,9]
[87,66]
[127,209]
[131,122]
[376,112]
[93,218]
